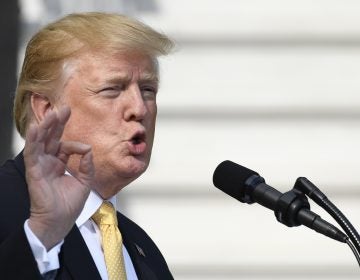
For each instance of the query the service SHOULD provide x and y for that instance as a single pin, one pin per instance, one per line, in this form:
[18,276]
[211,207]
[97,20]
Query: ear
[40,105]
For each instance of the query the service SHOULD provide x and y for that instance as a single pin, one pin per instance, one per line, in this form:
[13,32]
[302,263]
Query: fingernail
[86,146]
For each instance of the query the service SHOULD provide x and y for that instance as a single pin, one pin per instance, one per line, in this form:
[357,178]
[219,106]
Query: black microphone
[291,208]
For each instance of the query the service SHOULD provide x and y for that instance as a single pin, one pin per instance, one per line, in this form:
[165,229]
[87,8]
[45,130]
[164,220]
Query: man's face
[113,109]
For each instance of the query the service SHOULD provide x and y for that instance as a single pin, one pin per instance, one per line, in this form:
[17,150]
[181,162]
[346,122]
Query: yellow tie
[105,218]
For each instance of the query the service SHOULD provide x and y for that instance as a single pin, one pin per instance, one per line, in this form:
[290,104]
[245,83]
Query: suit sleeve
[16,258]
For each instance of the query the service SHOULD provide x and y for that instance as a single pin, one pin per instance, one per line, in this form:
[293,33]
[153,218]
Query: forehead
[96,66]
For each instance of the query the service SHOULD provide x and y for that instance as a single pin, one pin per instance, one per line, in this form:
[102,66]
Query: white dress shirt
[48,261]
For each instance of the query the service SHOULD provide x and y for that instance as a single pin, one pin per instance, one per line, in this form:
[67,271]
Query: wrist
[46,234]
[46,260]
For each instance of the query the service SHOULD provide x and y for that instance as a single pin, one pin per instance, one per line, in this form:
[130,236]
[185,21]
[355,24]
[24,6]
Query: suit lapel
[76,257]
[137,254]
[78,263]
[139,260]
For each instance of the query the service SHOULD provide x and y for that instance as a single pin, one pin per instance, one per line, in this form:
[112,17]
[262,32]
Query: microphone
[291,208]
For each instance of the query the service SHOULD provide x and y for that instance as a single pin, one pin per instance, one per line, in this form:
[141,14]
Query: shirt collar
[92,204]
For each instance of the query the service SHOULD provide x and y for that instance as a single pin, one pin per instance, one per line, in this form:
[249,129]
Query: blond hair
[52,46]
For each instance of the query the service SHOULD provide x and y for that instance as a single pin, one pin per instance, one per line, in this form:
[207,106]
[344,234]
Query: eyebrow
[149,76]
[145,77]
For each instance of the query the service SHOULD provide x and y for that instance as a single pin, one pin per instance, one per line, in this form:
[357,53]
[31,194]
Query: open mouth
[138,138]
[138,144]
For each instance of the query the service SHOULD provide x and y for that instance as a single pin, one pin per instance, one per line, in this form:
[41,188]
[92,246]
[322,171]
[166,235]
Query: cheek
[151,124]
[78,129]
[152,109]
[72,133]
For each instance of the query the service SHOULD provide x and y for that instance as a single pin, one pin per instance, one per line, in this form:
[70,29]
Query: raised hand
[56,198]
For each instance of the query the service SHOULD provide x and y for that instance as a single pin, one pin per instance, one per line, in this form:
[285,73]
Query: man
[86,105]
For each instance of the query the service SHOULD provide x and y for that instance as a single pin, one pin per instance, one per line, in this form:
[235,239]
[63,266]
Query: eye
[149,92]
[111,91]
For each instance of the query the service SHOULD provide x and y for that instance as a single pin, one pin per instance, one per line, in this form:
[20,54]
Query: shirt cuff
[46,260]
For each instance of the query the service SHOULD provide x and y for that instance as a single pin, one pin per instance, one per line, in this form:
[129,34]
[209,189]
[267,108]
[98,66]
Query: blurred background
[272,85]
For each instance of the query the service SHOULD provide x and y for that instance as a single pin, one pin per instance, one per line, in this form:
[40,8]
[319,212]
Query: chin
[118,177]
[135,171]
[133,167]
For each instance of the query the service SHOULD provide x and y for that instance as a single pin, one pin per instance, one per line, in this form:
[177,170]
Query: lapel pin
[140,250]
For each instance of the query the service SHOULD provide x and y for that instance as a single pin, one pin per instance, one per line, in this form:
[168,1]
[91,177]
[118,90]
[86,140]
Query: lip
[137,143]
[137,149]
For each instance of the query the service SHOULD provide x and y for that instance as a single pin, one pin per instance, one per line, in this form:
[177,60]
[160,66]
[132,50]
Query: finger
[64,114]
[34,146]
[56,130]
[68,148]
[30,147]
[50,120]
[50,128]
[35,142]
[31,135]
[36,134]
[86,170]
[35,137]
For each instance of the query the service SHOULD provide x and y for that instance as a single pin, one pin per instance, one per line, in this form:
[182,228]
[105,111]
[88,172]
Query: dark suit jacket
[16,258]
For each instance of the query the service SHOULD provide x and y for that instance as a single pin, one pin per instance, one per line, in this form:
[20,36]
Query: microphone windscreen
[230,177]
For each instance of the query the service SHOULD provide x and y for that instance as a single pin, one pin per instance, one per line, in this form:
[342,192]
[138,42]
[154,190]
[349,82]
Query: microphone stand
[304,186]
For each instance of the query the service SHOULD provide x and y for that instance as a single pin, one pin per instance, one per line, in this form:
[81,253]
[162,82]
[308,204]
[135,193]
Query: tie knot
[105,215]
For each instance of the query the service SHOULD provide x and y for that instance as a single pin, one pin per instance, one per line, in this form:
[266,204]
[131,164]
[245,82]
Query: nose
[135,106]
